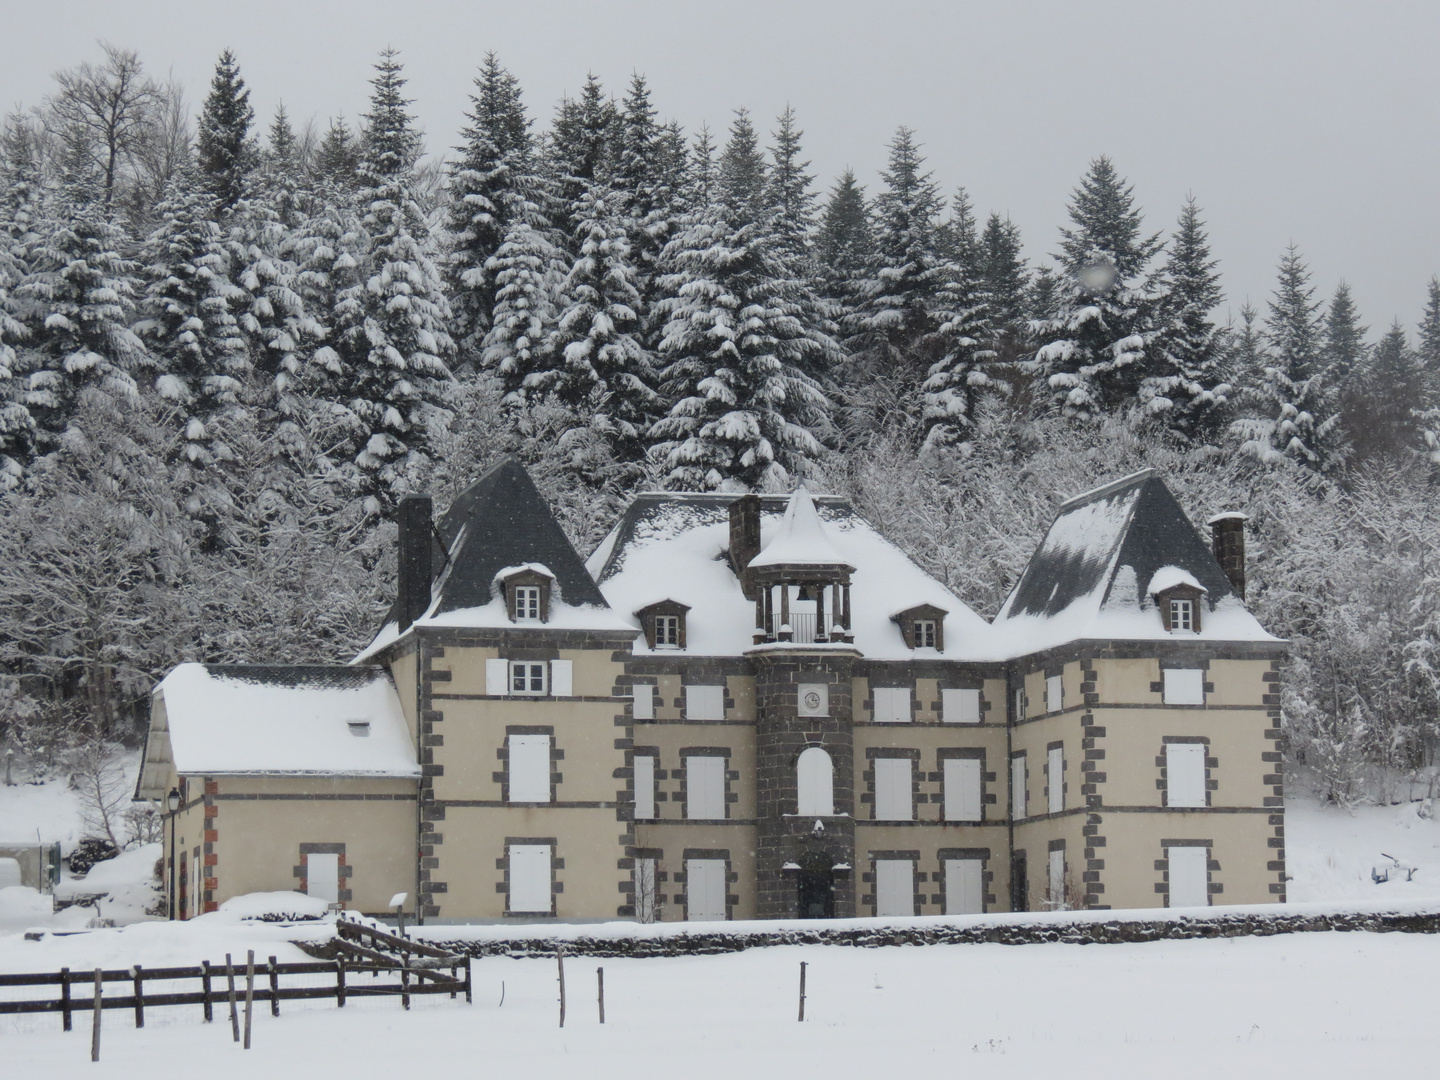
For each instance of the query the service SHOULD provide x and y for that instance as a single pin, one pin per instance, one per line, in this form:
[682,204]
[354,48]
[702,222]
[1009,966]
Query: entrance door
[817,892]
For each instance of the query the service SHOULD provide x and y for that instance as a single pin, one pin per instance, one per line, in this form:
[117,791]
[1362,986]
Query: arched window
[815,782]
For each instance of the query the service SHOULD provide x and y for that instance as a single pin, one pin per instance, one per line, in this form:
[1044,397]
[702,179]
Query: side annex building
[746,707]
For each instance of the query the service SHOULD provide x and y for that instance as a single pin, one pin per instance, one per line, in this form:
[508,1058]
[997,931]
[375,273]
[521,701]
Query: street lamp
[173,802]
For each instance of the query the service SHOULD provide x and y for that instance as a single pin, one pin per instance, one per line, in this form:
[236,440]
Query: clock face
[812,700]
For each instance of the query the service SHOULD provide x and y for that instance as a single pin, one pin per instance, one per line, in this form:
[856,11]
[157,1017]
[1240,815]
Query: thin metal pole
[249,993]
[802,991]
[560,962]
[95,1026]
[600,978]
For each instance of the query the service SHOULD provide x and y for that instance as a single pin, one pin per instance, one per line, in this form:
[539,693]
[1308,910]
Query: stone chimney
[416,537]
[744,538]
[1227,533]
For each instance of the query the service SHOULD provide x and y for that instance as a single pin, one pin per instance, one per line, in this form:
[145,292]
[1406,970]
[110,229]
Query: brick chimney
[744,538]
[413,589]
[1227,534]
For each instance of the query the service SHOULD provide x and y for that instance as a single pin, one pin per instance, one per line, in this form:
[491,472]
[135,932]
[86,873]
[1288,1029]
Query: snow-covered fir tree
[1384,405]
[702,175]
[602,370]
[641,179]
[1188,390]
[791,198]
[188,316]
[490,182]
[844,245]
[1007,281]
[528,271]
[337,158]
[1094,351]
[1343,346]
[1429,347]
[19,192]
[223,147]
[581,148]
[743,174]
[391,333]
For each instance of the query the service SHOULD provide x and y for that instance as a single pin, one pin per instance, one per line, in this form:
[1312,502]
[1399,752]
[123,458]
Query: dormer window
[1182,614]
[527,594]
[664,624]
[922,627]
[1180,608]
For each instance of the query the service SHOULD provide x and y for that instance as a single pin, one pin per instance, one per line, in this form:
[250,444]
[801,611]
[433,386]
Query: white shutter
[705,703]
[1184,686]
[322,877]
[892,790]
[962,789]
[892,704]
[704,889]
[1055,781]
[705,788]
[562,678]
[1054,693]
[815,783]
[644,707]
[1185,774]
[497,677]
[644,787]
[530,878]
[894,887]
[1017,787]
[1057,879]
[964,887]
[529,771]
[1189,881]
[960,706]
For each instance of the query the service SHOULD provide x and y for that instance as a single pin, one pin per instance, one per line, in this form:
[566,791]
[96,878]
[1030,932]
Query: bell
[804,593]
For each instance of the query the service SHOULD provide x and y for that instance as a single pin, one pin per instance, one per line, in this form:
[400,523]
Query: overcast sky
[1313,122]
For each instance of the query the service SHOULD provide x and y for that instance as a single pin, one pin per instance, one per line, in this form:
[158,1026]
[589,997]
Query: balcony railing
[803,627]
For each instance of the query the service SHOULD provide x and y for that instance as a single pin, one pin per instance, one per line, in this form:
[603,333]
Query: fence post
[340,982]
[249,993]
[405,979]
[234,1015]
[95,1027]
[139,997]
[600,979]
[560,961]
[274,989]
[468,985]
[802,991]
[206,999]
[65,996]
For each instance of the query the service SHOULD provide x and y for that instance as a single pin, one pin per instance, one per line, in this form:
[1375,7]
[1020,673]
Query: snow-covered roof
[1107,552]
[801,539]
[671,546]
[248,719]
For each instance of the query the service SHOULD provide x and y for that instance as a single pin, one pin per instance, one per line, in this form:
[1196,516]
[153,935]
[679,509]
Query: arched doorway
[816,889]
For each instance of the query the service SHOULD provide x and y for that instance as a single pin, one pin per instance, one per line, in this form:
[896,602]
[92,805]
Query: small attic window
[527,596]
[359,728]
[1180,609]
[922,627]
[664,624]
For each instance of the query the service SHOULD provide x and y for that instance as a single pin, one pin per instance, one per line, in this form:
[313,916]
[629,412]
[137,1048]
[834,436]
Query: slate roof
[1091,575]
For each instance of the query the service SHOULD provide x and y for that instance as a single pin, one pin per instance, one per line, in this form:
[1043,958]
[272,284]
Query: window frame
[667,631]
[526,690]
[527,603]
[891,800]
[530,784]
[927,633]
[692,773]
[1172,690]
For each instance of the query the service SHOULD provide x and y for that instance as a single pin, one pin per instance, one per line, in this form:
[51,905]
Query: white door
[1189,881]
[894,887]
[964,887]
[322,877]
[705,889]
[962,789]
[1057,879]
[530,878]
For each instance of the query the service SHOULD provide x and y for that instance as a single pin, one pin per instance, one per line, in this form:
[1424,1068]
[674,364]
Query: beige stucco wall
[402,670]
[928,840]
[1133,745]
[1034,839]
[929,739]
[1241,847]
[1034,738]
[673,840]
[258,835]
[671,738]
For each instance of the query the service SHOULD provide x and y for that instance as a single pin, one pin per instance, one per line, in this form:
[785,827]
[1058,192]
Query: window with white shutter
[1017,787]
[1055,779]
[705,703]
[964,887]
[497,677]
[528,677]
[528,758]
[892,704]
[644,787]
[1189,876]
[962,789]
[562,676]
[322,877]
[1185,774]
[529,868]
[894,887]
[1184,686]
[893,797]
[960,706]
[705,788]
[704,889]
[644,707]
[1054,693]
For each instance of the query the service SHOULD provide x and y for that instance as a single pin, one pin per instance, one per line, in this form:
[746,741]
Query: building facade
[748,707]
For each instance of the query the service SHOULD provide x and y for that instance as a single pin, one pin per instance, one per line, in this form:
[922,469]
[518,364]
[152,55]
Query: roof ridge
[1107,489]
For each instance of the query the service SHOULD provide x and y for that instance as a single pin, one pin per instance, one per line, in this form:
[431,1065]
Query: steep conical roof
[801,539]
